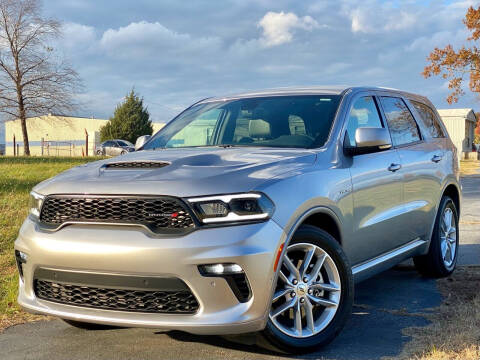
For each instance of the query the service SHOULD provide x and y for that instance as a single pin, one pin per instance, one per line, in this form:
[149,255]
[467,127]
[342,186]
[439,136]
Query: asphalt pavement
[384,306]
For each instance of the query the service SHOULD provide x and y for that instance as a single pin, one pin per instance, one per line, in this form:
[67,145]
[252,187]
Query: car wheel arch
[451,190]
[316,213]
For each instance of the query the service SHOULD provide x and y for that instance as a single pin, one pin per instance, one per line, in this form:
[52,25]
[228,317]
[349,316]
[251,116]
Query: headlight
[36,201]
[232,208]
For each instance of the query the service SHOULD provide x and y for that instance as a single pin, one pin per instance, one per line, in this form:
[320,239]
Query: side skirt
[385,261]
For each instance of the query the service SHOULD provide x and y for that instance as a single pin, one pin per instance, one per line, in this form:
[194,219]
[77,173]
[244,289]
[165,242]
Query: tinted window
[364,113]
[108,143]
[401,123]
[429,119]
[122,143]
[302,121]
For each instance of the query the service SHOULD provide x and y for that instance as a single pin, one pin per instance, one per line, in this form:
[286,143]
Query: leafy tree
[455,65]
[34,79]
[130,120]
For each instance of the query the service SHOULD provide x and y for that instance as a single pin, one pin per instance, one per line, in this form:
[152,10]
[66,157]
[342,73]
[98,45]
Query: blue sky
[176,52]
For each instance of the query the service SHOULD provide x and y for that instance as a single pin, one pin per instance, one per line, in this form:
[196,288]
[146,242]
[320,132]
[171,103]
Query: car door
[421,155]
[376,187]
[116,149]
[109,148]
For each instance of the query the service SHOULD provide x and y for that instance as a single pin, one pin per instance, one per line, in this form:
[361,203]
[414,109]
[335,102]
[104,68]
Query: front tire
[313,297]
[443,252]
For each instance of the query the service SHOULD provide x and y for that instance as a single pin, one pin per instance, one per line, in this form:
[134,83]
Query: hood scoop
[133,165]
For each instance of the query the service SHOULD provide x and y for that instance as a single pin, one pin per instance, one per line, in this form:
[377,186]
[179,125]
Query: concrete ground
[384,305]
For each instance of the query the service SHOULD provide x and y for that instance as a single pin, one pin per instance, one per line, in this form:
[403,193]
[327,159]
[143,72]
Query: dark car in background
[114,147]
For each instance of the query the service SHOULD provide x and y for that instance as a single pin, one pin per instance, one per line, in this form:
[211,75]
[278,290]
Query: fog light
[21,258]
[220,269]
[233,274]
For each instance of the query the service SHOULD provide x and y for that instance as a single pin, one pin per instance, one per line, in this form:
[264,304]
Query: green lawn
[18,175]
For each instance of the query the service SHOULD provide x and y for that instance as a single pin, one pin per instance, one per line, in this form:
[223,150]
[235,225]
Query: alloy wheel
[448,237]
[308,291]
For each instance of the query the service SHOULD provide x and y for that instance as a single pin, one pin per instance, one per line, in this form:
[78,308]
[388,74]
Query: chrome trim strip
[387,256]
[226,198]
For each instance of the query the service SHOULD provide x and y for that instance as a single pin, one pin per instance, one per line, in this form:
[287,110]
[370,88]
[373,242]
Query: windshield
[280,121]
[124,143]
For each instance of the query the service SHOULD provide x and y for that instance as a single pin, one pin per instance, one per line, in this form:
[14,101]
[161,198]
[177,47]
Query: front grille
[147,301]
[136,165]
[159,214]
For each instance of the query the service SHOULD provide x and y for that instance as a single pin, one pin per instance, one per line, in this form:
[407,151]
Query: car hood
[189,172]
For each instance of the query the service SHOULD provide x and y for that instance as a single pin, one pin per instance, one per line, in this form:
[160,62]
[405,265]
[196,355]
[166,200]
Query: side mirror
[141,141]
[369,140]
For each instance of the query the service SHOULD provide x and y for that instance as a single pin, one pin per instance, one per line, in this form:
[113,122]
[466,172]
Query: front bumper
[129,250]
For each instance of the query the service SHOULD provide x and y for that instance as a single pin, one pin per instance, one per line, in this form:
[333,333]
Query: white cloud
[77,35]
[278,27]
[146,38]
[372,17]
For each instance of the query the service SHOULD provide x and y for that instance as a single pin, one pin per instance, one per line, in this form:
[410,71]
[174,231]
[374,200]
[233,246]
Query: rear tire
[88,326]
[441,259]
[322,293]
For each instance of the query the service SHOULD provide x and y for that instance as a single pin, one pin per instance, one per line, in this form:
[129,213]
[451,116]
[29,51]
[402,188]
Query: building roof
[59,116]
[466,113]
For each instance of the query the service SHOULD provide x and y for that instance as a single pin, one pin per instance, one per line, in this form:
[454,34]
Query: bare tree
[34,80]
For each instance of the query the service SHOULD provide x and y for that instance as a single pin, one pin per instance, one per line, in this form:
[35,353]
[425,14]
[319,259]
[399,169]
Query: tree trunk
[23,122]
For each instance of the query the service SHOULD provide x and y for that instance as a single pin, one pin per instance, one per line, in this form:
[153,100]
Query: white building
[460,124]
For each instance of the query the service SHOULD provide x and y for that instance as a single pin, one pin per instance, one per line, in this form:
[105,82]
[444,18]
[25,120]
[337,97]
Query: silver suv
[246,213]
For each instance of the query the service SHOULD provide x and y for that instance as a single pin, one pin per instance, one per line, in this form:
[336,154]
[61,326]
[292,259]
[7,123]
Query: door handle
[437,158]
[394,167]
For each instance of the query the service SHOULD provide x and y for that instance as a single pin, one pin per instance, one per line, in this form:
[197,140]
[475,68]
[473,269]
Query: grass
[454,331]
[469,167]
[18,175]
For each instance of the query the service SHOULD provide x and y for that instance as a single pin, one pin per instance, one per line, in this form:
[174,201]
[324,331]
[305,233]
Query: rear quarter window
[429,119]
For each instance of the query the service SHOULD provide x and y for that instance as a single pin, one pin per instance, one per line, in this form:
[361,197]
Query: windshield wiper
[225,146]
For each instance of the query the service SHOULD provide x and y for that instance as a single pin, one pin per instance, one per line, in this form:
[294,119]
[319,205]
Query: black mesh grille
[240,286]
[148,301]
[160,214]
[136,165]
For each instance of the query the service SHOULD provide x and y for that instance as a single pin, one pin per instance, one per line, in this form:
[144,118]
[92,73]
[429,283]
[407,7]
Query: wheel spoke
[322,301]
[448,218]
[448,254]
[281,309]
[443,245]
[317,267]
[306,262]
[298,318]
[309,315]
[452,230]
[285,279]
[326,287]
[280,293]
[292,268]
[443,226]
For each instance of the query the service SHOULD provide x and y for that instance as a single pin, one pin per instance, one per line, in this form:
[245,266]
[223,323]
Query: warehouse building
[460,124]
[57,135]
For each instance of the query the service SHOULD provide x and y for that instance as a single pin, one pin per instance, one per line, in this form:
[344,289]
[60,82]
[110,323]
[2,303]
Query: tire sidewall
[318,237]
